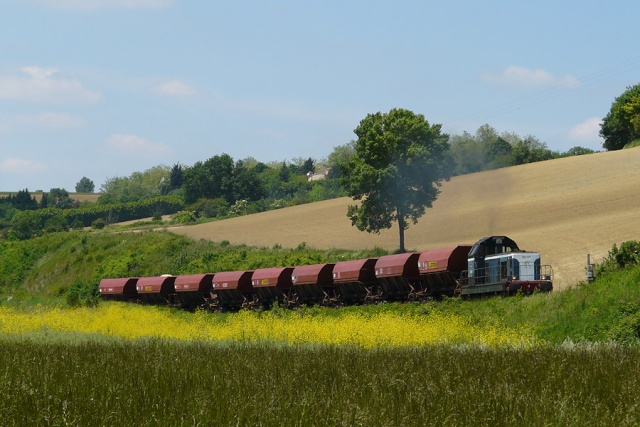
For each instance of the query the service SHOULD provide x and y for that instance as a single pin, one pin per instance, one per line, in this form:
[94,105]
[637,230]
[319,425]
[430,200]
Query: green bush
[83,293]
[627,254]
[183,217]
[99,224]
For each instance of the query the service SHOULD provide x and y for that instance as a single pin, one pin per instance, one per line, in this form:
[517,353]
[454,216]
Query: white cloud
[129,144]
[174,88]
[587,131]
[94,5]
[21,166]
[38,84]
[521,76]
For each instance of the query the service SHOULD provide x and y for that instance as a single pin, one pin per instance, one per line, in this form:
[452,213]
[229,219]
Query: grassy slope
[563,208]
[44,268]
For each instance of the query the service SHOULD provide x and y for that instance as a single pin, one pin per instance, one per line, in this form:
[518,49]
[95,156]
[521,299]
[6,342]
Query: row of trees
[214,186]
[487,149]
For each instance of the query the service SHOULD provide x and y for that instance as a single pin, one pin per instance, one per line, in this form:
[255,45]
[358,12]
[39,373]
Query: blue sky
[103,88]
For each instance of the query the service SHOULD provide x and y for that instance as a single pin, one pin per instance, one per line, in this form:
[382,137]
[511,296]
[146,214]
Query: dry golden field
[564,208]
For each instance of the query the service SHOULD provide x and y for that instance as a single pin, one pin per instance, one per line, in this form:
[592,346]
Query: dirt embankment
[564,208]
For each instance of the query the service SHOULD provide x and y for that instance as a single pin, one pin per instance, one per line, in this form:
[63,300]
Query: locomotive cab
[497,265]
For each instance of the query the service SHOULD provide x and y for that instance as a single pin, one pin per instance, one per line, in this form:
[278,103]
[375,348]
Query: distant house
[318,175]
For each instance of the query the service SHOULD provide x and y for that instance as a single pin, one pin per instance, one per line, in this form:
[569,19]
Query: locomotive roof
[493,245]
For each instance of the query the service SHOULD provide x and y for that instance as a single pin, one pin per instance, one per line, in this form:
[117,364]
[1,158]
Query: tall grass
[89,382]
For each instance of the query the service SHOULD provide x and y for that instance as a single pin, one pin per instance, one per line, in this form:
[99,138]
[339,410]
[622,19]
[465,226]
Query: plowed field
[565,209]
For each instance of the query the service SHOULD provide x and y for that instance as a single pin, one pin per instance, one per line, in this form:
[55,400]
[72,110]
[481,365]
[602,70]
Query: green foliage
[397,171]
[530,150]
[488,150]
[176,177]
[136,187]
[239,208]
[19,258]
[621,125]
[577,151]
[210,179]
[85,185]
[184,217]
[628,254]
[634,143]
[26,224]
[210,208]
[56,223]
[83,293]
[59,198]
[324,189]
[7,211]
[339,158]
[98,224]
[22,200]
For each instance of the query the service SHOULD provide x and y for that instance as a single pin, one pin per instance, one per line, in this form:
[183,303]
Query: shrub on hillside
[626,255]
[83,293]
[99,224]
[183,217]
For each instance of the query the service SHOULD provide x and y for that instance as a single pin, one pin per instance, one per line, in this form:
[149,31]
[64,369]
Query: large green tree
[138,186]
[85,185]
[622,124]
[59,198]
[397,170]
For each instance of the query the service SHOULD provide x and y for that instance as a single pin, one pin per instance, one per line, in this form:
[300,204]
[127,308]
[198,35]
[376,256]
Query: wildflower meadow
[359,329]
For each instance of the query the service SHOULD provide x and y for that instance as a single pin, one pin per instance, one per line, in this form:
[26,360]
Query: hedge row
[26,224]
[119,212]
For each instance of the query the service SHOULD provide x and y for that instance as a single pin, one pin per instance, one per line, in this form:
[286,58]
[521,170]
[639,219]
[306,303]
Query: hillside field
[564,208]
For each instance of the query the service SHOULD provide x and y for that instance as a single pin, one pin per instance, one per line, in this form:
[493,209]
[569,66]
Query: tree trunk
[401,227]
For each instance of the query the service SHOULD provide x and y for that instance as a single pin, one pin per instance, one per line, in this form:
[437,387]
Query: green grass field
[97,382]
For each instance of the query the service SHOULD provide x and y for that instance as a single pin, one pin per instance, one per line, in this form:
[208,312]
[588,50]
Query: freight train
[492,266]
